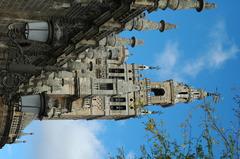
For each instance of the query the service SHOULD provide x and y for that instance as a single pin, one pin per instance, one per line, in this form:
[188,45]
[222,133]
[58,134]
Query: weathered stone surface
[63,59]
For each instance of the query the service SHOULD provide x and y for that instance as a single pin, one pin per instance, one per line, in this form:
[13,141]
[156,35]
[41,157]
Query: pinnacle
[133,41]
[201,4]
[185,4]
[215,96]
[210,5]
[142,24]
[166,26]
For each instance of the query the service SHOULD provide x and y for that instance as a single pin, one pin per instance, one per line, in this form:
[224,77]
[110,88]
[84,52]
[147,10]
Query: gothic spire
[114,40]
[144,24]
[19,141]
[145,67]
[199,5]
[166,26]
[185,94]
[25,134]
[148,112]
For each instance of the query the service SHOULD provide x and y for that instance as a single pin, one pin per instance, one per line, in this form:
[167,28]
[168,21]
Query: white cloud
[168,61]
[193,67]
[71,139]
[171,53]
[220,49]
[219,55]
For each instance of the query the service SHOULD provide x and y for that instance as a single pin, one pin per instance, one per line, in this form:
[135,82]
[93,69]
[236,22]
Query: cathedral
[64,59]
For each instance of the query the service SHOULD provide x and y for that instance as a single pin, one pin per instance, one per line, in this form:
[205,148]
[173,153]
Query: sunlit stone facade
[64,59]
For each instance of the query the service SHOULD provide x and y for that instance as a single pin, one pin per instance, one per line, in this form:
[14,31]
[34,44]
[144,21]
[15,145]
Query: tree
[161,146]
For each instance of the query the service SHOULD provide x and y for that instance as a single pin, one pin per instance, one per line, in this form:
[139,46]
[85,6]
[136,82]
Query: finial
[20,141]
[147,112]
[209,5]
[155,67]
[155,112]
[25,134]
[142,67]
[215,96]
[145,67]
[200,5]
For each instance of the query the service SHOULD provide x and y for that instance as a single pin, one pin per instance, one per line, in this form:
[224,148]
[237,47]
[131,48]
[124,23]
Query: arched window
[158,91]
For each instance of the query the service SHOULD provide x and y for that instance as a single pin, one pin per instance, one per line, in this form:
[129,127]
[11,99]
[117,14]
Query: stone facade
[63,59]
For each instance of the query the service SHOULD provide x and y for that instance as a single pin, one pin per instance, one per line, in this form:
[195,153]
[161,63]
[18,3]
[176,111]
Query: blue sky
[204,51]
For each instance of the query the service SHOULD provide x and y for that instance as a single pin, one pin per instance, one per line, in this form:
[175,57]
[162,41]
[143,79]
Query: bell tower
[171,92]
